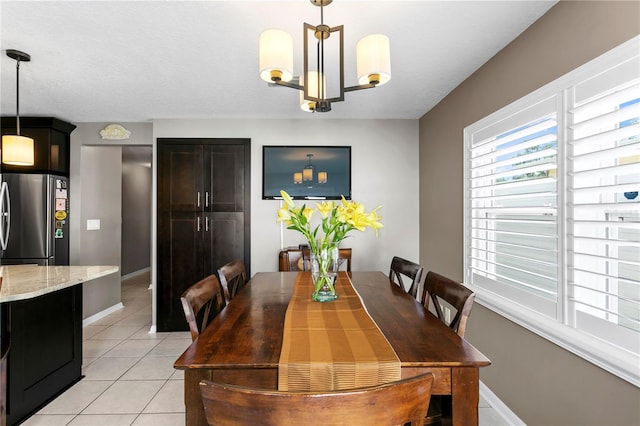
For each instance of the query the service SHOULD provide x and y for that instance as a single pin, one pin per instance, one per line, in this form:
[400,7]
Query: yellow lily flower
[308,212]
[325,208]
[284,215]
[287,199]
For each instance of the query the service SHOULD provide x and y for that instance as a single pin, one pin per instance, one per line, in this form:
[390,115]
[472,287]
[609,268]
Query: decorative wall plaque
[115,132]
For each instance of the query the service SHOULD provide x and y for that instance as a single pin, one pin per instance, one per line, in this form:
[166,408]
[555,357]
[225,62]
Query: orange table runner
[332,345]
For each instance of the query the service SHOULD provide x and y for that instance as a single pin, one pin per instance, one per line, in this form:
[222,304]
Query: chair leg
[434,414]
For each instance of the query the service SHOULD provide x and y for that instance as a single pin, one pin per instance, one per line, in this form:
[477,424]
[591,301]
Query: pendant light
[320,86]
[18,150]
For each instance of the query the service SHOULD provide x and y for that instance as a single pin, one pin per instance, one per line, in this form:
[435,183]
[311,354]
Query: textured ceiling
[135,61]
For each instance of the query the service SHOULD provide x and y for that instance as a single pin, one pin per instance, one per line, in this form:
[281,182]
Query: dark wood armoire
[203,216]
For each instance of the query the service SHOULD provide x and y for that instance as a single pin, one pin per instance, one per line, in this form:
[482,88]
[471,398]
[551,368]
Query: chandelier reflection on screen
[276,63]
[306,175]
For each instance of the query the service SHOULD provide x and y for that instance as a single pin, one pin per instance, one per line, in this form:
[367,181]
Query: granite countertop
[21,282]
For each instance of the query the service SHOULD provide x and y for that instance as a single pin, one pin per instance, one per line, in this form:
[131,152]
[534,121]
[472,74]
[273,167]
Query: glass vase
[324,271]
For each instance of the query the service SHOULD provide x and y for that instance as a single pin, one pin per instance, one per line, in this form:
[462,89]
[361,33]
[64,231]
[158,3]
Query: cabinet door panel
[225,178]
[46,349]
[179,266]
[224,239]
[180,186]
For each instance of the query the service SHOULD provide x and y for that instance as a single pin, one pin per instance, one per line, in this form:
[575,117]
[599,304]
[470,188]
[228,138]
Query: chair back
[344,254]
[393,403]
[438,287]
[409,270]
[201,303]
[233,277]
[291,260]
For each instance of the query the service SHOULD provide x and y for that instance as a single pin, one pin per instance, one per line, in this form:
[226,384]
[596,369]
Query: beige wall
[542,383]
[96,181]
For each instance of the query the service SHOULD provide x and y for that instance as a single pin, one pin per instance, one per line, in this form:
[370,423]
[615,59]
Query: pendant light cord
[18,96]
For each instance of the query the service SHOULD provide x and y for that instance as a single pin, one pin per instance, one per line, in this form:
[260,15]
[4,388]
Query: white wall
[384,172]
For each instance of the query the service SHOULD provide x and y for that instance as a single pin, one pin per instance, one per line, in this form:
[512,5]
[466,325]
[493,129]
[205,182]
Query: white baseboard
[102,314]
[500,407]
[136,273]
[152,329]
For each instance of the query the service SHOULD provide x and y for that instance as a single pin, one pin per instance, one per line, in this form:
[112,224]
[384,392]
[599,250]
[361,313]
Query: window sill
[617,361]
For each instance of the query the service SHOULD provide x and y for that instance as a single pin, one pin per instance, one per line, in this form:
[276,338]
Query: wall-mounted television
[306,172]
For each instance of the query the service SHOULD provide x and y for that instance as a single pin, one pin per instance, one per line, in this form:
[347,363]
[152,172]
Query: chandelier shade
[276,55]
[310,105]
[325,58]
[373,60]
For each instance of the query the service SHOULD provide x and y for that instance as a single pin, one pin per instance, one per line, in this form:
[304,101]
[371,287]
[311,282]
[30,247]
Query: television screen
[306,172]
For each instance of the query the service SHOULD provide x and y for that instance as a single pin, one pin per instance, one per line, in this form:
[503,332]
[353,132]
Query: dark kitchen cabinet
[203,216]
[51,139]
[45,353]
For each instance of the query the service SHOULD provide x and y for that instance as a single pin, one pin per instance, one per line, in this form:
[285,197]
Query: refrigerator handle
[5,211]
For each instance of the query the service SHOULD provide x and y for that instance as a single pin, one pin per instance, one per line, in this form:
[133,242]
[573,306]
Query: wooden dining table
[242,344]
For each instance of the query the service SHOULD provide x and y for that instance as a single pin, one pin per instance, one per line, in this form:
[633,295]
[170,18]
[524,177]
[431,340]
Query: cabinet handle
[206,223]
[198,223]
[206,199]
[198,201]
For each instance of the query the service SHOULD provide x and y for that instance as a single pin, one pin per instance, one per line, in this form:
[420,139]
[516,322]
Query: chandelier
[306,175]
[318,89]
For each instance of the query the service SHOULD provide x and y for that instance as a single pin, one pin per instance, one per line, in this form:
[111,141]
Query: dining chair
[438,288]
[233,277]
[291,260]
[344,254]
[405,268]
[395,403]
[201,302]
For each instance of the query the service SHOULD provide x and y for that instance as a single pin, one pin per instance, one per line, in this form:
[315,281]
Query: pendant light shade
[276,56]
[18,150]
[373,60]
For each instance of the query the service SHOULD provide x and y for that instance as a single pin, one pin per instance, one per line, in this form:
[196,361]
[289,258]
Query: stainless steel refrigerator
[35,222]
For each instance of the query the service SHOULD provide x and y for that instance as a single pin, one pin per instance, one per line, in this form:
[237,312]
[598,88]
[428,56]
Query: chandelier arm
[359,87]
[288,84]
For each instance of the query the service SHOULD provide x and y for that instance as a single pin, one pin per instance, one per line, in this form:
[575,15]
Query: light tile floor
[129,375]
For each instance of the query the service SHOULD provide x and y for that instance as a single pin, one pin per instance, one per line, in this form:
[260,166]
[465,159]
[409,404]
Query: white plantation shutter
[552,211]
[603,205]
[513,197]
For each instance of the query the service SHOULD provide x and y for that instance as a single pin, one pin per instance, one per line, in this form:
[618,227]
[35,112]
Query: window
[552,224]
